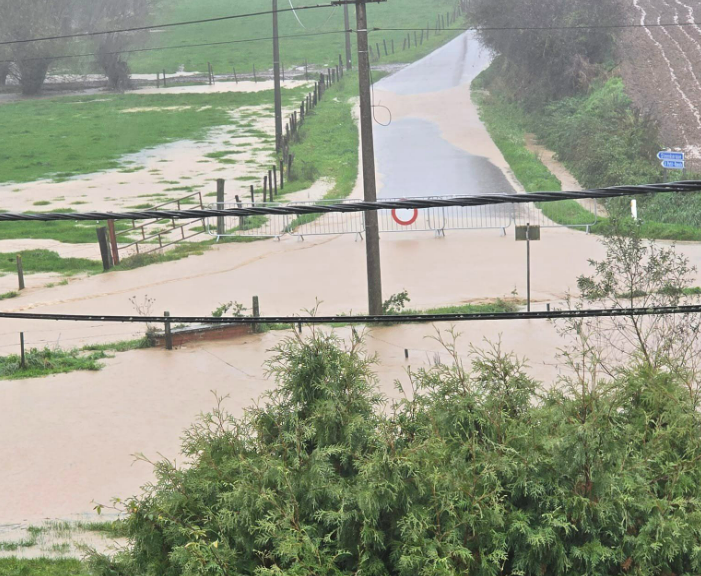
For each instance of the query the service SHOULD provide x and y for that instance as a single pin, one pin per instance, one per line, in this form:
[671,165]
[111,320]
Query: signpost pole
[528,265]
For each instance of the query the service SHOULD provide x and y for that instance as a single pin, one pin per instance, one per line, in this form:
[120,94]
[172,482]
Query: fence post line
[23,360]
[113,241]
[104,253]
[221,227]
[168,332]
[256,314]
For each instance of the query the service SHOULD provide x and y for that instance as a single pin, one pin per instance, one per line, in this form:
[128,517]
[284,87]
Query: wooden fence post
[164,79]
[265,189]
[255,77]
[102,240]
[20,272]
[168,332]
[158,79]
[23,360]
[236,78]
[270,180]
[384,41]
[113,242]
[257,328]
[275,178]
[221,225]
[253,194]
[282,174]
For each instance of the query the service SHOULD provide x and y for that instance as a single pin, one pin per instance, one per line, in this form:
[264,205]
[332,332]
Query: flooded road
[417,153]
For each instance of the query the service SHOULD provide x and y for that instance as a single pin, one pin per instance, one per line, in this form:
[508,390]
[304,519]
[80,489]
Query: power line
[546,28]
[355,207]
[366,319]
[159,26]
[136,50]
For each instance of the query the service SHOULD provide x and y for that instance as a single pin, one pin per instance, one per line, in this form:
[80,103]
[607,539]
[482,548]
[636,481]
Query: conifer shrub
[478,470]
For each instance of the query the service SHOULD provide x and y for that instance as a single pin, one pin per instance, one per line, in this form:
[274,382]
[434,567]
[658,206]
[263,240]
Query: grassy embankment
[321,50]
[599,139]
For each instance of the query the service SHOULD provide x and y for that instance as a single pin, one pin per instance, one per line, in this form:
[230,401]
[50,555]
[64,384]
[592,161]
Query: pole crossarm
[355,207]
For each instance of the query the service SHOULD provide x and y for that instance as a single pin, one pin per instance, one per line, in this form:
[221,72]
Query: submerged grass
[67,136]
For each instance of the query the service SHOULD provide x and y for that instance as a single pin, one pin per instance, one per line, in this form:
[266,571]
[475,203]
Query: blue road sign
[672,165]
[675,156]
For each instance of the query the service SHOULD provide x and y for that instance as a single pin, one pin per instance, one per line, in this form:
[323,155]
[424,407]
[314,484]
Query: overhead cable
[179,47]
[365,319]
[160,26]
[355,207]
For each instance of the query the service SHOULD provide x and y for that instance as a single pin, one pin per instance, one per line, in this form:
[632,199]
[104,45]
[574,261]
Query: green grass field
[67,136]
[320,50]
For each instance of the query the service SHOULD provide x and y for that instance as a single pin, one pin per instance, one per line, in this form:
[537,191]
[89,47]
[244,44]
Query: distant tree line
[552,63]
[29,63]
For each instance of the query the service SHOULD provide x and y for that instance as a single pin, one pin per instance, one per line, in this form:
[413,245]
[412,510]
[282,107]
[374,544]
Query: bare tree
[114,15]
[34,19]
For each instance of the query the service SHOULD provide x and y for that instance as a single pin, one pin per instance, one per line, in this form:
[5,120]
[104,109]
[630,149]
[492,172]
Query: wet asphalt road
[413,159]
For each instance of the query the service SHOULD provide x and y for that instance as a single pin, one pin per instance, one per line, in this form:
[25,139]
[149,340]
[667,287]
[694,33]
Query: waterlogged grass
[45,362]
[42,567]
[36,261]
[123,346]
[63,137]
[179,252]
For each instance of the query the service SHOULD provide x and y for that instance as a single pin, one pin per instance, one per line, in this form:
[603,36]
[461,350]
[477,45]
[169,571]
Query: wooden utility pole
[276,72]
[349,57]
[372,243]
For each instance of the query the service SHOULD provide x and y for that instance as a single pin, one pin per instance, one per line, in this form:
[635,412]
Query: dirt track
[662,69]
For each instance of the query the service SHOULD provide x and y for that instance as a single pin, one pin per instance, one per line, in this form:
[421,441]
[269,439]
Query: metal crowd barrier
[269,226]
[436,220]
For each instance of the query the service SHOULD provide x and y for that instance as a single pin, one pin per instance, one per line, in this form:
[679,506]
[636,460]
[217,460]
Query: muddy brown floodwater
[68,440]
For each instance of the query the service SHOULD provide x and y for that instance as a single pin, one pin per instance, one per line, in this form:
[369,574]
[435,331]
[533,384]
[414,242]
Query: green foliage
[601,137]
[41,567]
[478,470]
[396,303]
[45,362]
[235,308]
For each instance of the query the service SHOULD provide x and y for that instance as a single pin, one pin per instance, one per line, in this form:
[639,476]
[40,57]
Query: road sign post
[672,160]
[526,234]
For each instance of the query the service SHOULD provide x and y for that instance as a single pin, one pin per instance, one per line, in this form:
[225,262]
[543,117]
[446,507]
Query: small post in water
[20,272]
[105,252]
[168,332]
[256,314]
[221,228]
[23,360]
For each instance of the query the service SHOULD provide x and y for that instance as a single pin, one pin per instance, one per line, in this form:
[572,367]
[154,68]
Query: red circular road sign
[405,216]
